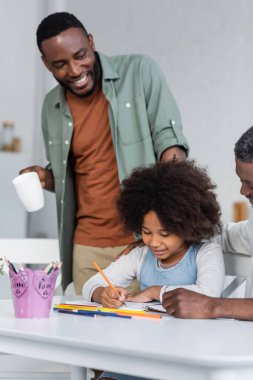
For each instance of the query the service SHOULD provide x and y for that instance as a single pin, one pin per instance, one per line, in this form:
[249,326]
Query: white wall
[22,90]
[205,49]
[17,67]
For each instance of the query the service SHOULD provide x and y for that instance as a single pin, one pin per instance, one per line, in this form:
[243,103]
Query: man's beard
[96,81]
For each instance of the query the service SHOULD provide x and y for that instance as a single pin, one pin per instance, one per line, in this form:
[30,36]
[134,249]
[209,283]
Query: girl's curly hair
[180,193]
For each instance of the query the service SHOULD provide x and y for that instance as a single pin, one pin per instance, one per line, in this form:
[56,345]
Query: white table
[161,349]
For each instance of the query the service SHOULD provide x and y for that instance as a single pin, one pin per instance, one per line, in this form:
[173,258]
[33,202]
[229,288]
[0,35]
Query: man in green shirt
[106,116]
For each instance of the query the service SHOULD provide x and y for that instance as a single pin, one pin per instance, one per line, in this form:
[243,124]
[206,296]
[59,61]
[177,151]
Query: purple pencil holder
[32,292]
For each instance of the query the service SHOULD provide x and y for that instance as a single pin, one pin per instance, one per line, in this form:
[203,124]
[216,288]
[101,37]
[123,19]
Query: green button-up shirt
[144,121]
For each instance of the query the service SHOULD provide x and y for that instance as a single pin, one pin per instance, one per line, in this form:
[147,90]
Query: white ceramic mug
[29,190]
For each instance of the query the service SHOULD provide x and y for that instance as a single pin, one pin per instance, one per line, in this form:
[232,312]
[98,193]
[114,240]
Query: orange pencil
[106,279]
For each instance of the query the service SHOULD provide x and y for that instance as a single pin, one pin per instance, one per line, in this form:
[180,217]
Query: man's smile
[81,82]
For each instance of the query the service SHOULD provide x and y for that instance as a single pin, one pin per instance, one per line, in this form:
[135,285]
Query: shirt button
[50,142]
[62,201]
[128,105]
[70,124]
[173,122]
[66,142]
[63,181]
[64,162]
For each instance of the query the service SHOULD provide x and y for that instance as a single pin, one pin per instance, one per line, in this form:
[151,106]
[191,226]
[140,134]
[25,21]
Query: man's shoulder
[131,58]
[124,60]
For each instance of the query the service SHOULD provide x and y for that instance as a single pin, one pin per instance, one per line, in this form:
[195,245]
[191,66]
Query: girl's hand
[110,298]
[146,295]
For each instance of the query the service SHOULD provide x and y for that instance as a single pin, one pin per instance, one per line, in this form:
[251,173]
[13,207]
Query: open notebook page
[129,305]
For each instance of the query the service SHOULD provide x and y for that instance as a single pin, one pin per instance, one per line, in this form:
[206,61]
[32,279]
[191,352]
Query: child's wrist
[96,295]
[154,292]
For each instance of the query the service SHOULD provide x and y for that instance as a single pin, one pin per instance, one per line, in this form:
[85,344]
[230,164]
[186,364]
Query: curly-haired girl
[174,208]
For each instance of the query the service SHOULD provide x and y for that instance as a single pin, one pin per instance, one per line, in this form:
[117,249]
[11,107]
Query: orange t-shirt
[96,173]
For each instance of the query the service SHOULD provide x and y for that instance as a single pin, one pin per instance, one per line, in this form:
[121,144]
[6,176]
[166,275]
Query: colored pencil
[74,312]
[106,311]
[93,313]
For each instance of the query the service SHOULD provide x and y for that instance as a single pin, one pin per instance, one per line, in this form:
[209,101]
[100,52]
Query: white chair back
[31,251]
[239,268]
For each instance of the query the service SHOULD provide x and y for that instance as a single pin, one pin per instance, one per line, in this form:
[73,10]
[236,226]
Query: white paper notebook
[152,306]
[157,307]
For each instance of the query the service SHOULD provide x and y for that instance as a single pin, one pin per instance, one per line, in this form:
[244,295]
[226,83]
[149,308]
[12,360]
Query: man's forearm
[183,303]
[233,308]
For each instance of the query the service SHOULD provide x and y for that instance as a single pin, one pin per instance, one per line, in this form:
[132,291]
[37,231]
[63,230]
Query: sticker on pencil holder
[32,292]
[44,284]
[19,284]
